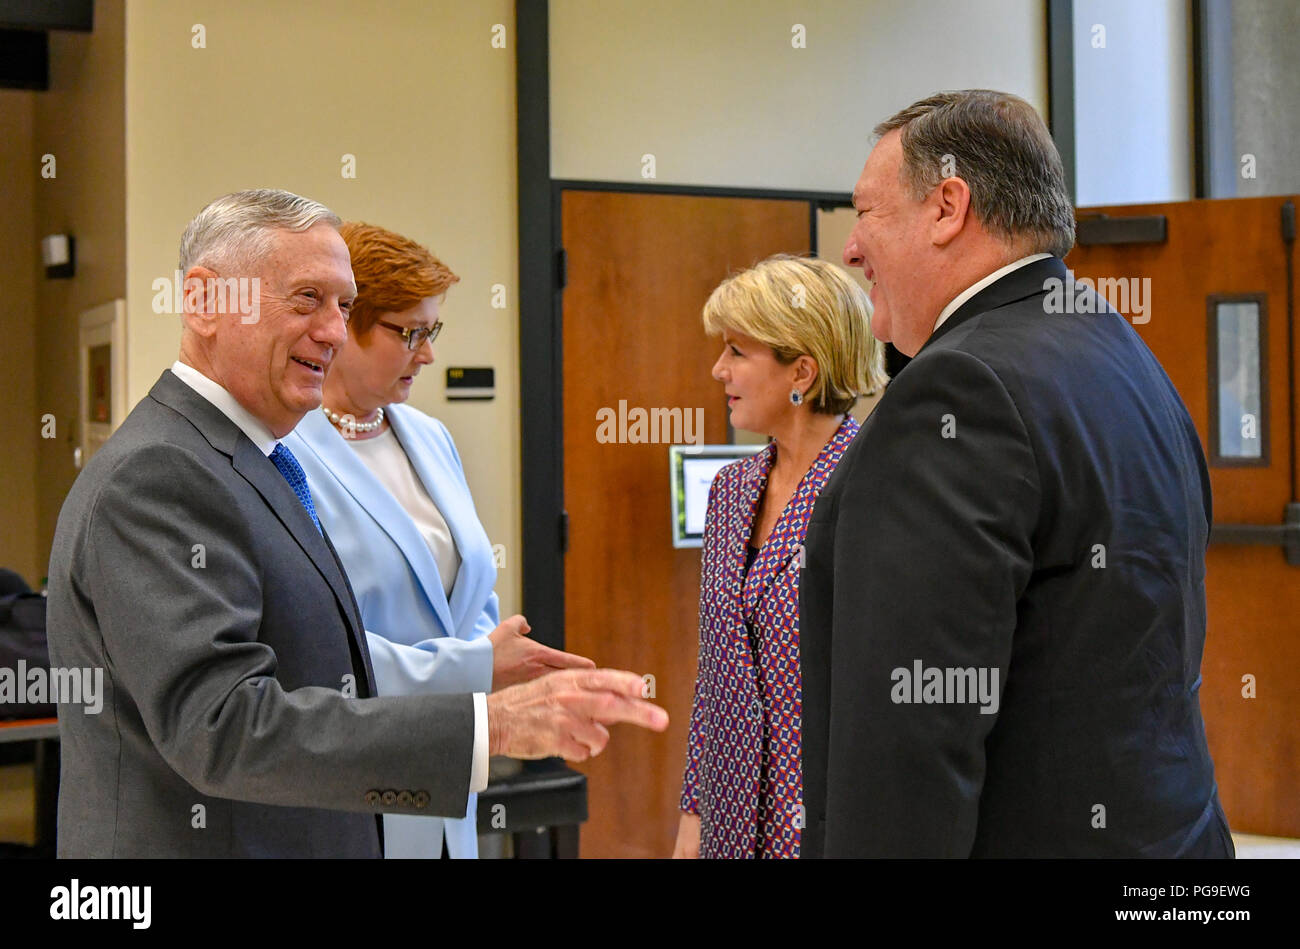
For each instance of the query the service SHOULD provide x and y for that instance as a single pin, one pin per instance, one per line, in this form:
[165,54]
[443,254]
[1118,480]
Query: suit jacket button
[389,798]
[405,798]
[372,798]
[420,799]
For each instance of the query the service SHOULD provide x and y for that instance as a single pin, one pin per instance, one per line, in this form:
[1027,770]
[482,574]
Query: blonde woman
[797,353]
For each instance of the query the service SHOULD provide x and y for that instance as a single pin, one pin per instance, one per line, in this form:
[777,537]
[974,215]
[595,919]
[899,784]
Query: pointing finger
[558,659]
[611,708]
[602,680]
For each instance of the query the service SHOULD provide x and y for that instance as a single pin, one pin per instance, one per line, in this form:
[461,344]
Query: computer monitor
[691,469]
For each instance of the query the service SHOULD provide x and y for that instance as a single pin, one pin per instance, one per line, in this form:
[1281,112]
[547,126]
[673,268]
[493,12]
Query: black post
[1060,85]
[540,405]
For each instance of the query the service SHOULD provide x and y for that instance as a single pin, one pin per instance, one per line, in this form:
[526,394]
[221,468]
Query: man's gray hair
[236,231]
[998,145]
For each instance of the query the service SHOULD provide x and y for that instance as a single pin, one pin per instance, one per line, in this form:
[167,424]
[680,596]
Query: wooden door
[1232,251]
[640,267]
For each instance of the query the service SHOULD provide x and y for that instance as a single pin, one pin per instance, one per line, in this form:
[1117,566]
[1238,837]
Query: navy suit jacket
[1029,499]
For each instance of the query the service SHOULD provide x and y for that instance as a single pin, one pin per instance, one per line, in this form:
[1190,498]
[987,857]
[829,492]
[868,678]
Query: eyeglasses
[414,336]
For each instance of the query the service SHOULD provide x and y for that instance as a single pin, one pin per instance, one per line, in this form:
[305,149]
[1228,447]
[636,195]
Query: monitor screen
[691,470]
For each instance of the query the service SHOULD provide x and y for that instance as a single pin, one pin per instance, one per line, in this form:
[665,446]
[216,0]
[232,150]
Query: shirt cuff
[478,772]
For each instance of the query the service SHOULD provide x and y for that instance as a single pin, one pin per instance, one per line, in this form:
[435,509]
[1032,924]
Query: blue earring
[796,397]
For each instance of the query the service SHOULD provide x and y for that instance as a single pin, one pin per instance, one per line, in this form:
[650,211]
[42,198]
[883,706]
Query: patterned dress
[743,768]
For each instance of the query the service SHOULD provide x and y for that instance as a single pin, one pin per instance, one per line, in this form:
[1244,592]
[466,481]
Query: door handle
[1286,535]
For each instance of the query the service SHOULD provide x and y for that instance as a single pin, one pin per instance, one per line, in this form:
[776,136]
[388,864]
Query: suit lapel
[469,587]
[258,471]
[226,437]
[378,502]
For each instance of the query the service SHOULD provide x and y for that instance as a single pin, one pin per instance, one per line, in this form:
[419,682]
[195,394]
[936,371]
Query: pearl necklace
[348,424]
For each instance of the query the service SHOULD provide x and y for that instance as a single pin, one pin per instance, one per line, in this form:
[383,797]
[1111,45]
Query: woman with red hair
[390,491]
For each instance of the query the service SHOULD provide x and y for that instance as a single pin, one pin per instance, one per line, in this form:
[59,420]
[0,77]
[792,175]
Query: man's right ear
[199,300]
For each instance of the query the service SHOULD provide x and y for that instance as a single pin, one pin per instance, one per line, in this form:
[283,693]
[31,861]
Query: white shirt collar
[228,405]
[969,292]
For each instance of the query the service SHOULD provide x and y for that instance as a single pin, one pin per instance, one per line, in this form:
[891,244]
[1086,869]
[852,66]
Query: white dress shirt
[261,436]
[975,288]
[388,462]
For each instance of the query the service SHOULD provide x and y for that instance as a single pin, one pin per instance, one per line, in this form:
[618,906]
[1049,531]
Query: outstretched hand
[516,658]
[565,713]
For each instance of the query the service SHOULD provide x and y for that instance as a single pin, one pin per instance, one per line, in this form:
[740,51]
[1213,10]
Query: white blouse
[387,460]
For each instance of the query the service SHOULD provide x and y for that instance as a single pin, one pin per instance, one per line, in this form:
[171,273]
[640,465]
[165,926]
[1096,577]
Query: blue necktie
[288,466]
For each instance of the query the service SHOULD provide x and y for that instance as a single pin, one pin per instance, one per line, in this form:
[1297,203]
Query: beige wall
[715,91]
[79,121]
[19,545]
[416,92]
[833,228]
[719,95]
[1133,84]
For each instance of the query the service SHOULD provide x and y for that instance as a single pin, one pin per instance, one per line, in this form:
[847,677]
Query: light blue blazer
[419,642]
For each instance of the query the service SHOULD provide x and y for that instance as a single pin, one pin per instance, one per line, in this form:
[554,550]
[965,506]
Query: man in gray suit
[239,716]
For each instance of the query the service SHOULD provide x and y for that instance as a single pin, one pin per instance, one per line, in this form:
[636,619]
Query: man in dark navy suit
[1003,609]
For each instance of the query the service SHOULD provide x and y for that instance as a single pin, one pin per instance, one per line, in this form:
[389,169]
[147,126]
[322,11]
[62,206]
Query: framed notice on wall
[102,375]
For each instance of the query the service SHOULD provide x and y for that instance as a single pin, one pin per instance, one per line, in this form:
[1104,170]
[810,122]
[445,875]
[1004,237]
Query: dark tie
[288,466]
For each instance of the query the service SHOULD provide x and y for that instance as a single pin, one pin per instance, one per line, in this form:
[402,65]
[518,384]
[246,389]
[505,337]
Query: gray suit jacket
[236,719]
